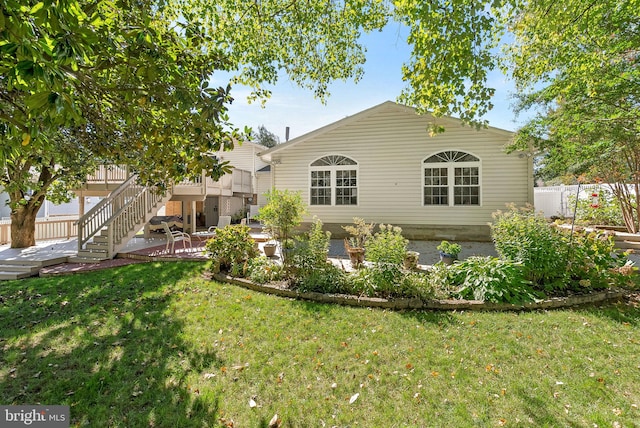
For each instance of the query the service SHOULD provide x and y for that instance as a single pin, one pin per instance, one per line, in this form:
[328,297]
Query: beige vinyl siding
[264,185]
[245,156]
[390,145]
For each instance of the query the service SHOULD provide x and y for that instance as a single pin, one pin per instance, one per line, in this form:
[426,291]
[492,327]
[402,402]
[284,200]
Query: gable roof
[446,121]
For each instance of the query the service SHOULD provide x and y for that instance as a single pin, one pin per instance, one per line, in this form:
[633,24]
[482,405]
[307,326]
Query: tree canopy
[578,63]
[127,82]
[575,63]
[265,137]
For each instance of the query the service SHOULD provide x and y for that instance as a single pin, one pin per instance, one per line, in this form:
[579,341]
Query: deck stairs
[18,269]
[108,226]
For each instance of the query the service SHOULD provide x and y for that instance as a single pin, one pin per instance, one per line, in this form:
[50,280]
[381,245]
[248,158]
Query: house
[382,165]
[127,207]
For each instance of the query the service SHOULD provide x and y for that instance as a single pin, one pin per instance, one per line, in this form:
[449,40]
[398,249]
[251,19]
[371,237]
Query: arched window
[334,181]
[451,178]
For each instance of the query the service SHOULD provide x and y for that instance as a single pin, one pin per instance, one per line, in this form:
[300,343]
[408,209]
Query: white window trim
[332,169]
[451,178]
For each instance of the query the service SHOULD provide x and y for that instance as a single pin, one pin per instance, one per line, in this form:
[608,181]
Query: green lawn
[157,345]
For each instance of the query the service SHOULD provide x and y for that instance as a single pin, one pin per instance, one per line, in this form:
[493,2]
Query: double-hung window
[334,181]
[451,178]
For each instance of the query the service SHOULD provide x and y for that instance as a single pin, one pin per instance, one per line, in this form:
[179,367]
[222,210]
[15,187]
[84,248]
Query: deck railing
[46,229]
[107,174]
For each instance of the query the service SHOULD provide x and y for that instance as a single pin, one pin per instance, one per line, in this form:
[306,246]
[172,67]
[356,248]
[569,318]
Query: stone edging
[404,303]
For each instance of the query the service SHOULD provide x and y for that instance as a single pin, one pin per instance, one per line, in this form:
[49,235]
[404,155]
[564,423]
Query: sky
[297,108]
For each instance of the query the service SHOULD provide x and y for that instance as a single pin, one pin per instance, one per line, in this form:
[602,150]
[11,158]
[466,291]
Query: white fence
[554,200]
[58,228]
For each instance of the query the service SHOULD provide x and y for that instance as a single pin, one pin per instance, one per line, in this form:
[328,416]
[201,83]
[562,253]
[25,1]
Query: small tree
[282,213]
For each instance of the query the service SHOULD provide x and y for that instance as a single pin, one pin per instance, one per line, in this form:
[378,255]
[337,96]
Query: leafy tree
[121,81]
[581,70]
[265,137]
[575,62]
[453,52]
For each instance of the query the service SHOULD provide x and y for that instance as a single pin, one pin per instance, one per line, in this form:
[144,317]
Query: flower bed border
[605,296]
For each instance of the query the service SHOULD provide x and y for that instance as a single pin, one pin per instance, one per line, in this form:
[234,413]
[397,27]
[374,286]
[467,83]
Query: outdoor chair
[175,235]
[223,221]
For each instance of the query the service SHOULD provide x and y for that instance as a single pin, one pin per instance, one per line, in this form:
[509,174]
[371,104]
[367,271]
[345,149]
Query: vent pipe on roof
[286,134]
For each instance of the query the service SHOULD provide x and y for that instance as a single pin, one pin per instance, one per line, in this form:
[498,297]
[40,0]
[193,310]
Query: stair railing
[97,217]
[120,212]
[132,214]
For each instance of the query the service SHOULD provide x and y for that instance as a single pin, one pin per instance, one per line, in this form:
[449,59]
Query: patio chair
[223,221]
[175,235]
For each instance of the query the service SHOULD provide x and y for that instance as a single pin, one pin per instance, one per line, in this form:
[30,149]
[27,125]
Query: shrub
[230,248]
[360,232]
[593,263]
[325,279]
[317,243]
[522,236]
[309,251]
[554,260]
[380,280]
[262,270]
[492,280]
[389,280]
[607,213]
[282,214]
[387,246]
[416,284]
[440,281]
[449,248]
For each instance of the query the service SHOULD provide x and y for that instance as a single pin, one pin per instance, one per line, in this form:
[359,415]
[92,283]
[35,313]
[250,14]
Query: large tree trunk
[23,225]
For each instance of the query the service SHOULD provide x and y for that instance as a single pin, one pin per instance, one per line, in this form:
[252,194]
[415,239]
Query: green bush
[262,270]
[523,236]
[387,246]
[593,262]
[491,279]
[416,284]
[439,280]
[230,249]
[281,215]
[317,243]
[607,213]
[325,279]
[553,259]
[389,280]
[309,252]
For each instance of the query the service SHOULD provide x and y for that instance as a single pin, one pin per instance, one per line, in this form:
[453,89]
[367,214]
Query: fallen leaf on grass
[240,367]
[275,422]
